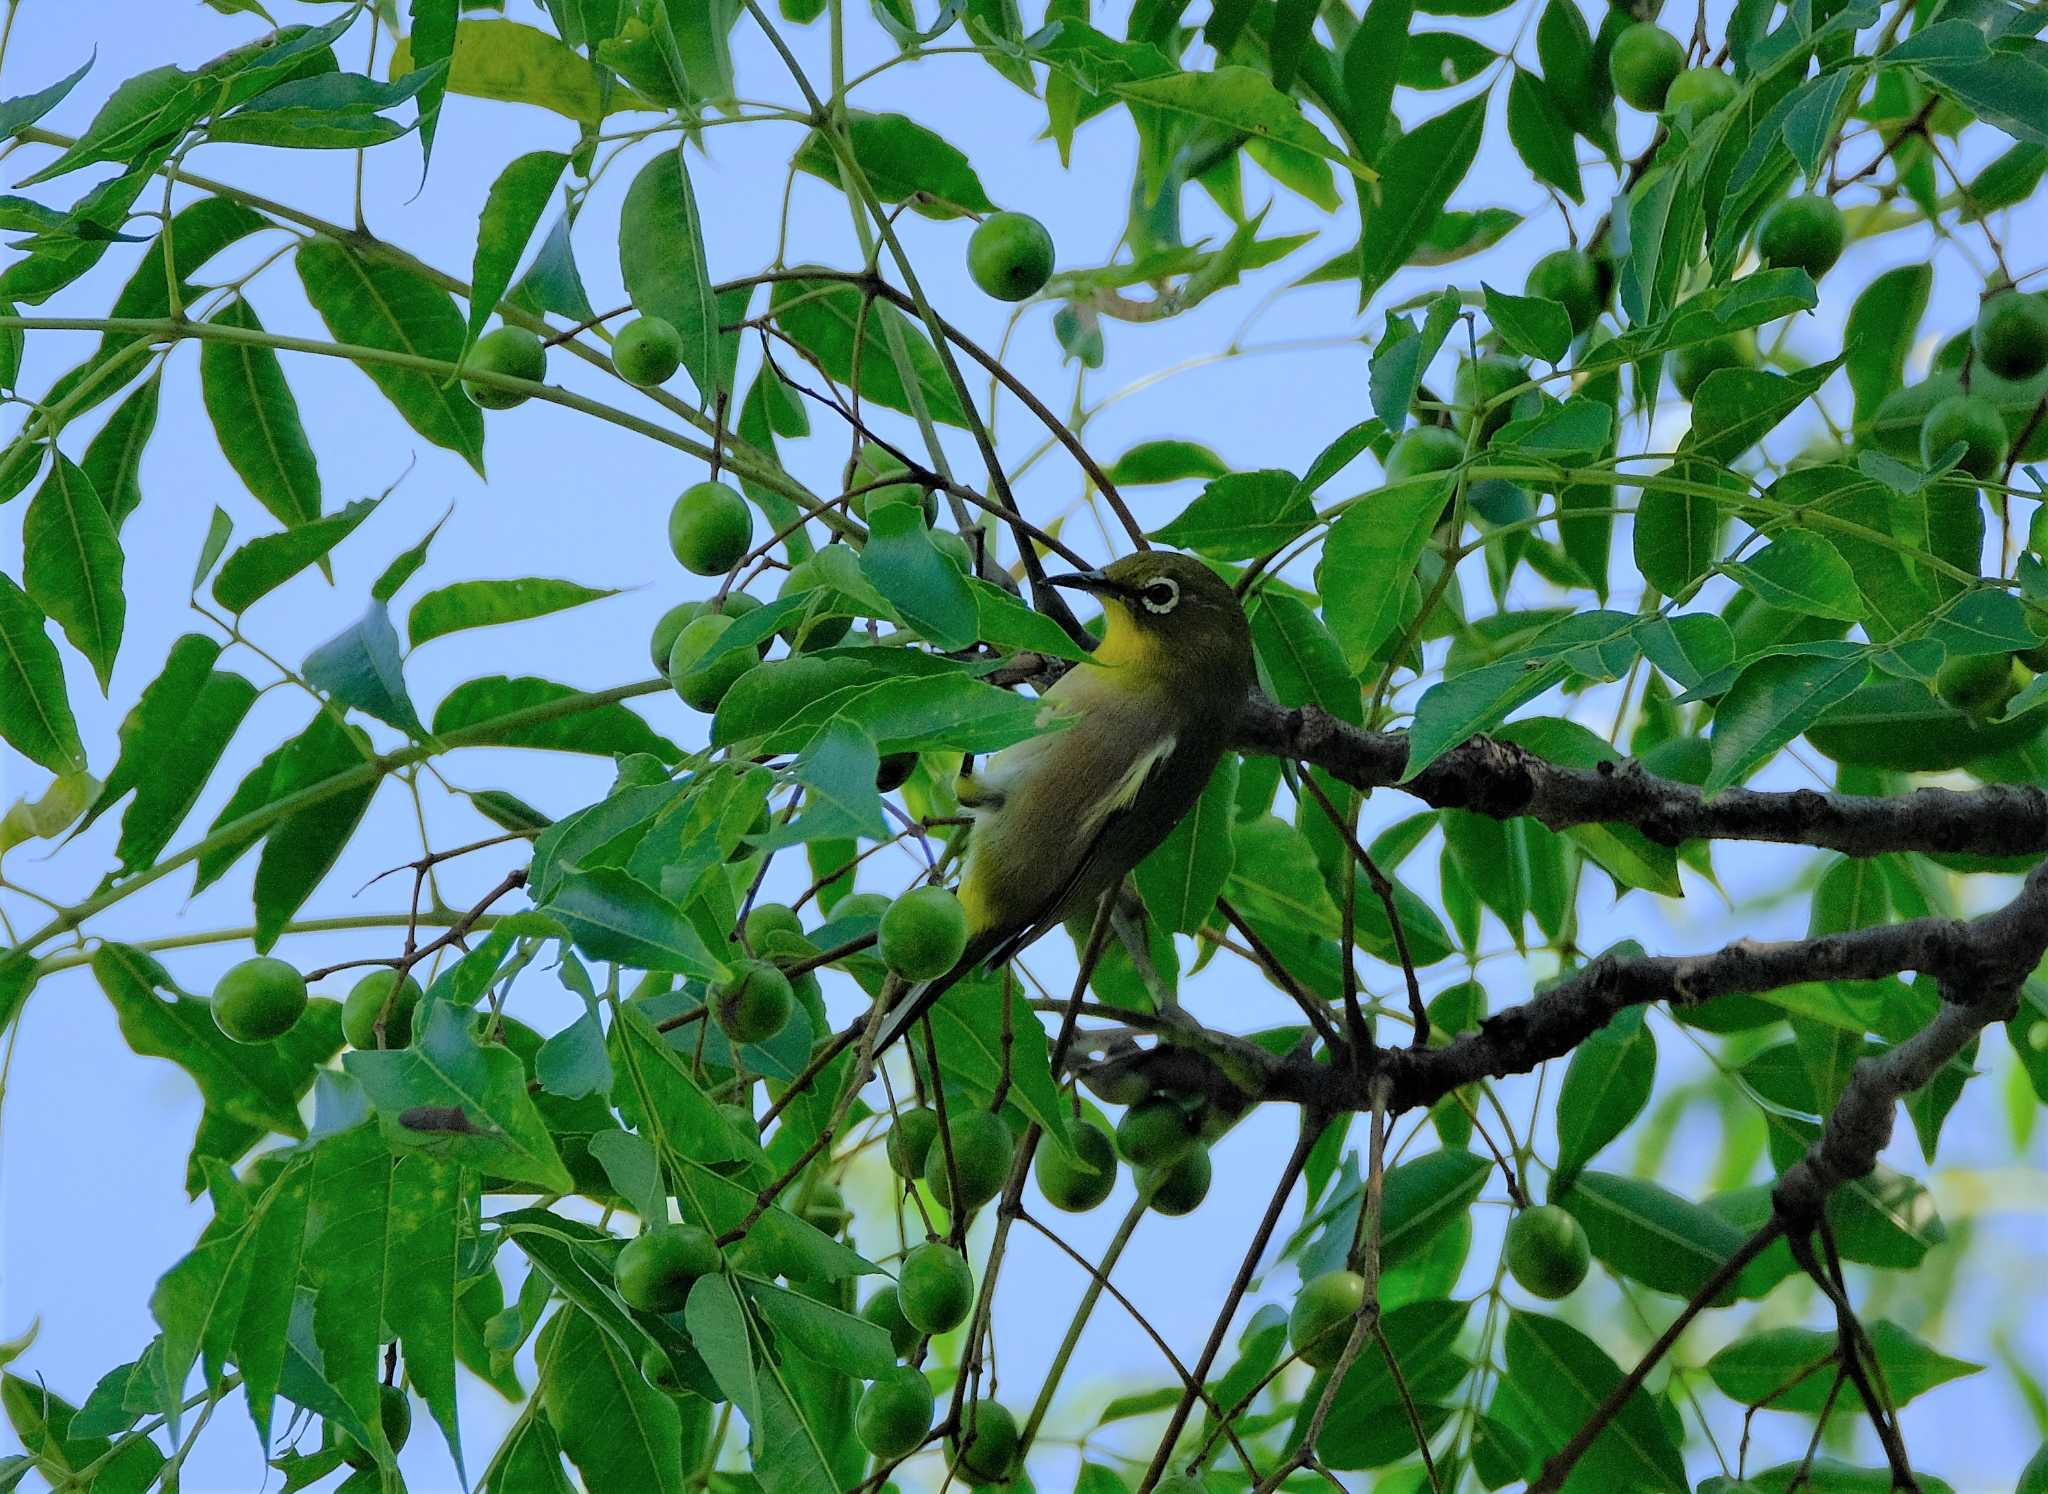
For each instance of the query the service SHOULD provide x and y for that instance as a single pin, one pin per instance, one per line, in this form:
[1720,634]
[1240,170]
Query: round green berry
[258,1000]
[1010,256]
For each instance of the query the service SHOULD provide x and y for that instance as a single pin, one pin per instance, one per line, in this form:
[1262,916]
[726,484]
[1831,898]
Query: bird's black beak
[1093,581]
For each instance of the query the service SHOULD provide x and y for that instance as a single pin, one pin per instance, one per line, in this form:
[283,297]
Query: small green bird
[1061,818]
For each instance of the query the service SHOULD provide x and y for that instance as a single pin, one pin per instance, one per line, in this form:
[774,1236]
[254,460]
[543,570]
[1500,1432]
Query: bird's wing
[1001,946]
[1108,815]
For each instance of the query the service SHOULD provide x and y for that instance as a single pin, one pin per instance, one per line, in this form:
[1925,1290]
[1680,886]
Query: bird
[1061,818]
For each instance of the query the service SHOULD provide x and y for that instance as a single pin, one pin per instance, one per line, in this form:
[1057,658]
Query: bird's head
[1167,613]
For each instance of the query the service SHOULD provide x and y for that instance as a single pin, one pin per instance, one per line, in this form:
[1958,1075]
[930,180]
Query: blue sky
[91,1157]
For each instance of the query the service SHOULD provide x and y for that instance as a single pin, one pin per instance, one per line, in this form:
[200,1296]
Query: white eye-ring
[1161,594]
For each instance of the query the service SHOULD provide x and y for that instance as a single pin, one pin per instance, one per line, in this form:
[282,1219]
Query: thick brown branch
[1503,781]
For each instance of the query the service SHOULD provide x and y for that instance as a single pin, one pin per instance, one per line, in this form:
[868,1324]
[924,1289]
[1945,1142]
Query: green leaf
[42,1420]
[1367,1427]
[1372,63]
[35,712]
[403,568]
[1423,1197]
[1302,662]
[514,64]
[619,1431]
[170,743]
[1677,530]
[1402,355]
[1650,1234]
[1737,407]
[661,256]
[780,706]
[1166,460]
[461,1102]
[1822,1475]
[1792,1369]
[1241,515]
[1009,622]
[268,561]
[300,849]
[1606,1085]
[1540,129]
[1181,880]
[428,1207]
[2007,89]
[486,604]
[901,159]
[510,215]
[328,111]
[351,1263]
[926,589]
[113,458]
[840,1340]
[17,114]
[429,41]
[1367,562]
[1418,173]
[1801,573]
[360,667]
[610,916]
[601,729]
[573,1063]
[218,529]
[1773,700]
[252,1083]
[1560,1377]
[267,1302]
[837,770]
[1531,326]
[374,304]
[1244,101]
[71,565]
[821,316]
[968,1027]
[1443,59]
[323,751]
[530,1458]
[1622,851]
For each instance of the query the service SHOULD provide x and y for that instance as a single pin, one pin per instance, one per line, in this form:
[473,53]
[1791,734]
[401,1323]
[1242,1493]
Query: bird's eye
[1161,593]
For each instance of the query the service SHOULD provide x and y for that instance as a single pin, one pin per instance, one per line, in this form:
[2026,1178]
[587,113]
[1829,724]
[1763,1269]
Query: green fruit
[1802,233]
[1691,364]
[1179,1189]
[1698,92]
[657,1370]
[955,549]
[366,1002]
[1980,684]
[814,629]
[753,1003]
[1010,256]
[656,1270]
[2011,335]
[1547,1252]
[512,351]
[910,1141]
[824,1208]
[874,464]
[986,1451]
[935,1288]
[1320,1324]
[1480,389]
[394,1410]
[1972,420]
[710,528]
[647,352]
[894,771]
[860,906]
[923,934]
[703,686]
[1571,278]
[1426,448]
[259,1000]
[662,641]
[982,1149]
[1645,60]
[894,1413]
[885,1310]
[767,919]
[1070,1185]
[1154,1133]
